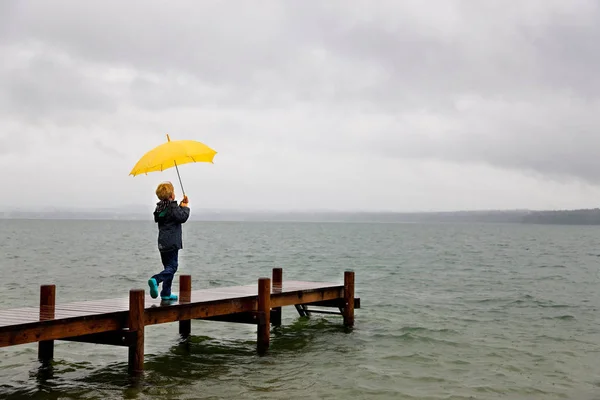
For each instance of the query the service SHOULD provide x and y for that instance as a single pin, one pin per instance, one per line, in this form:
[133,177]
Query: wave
[415,329]
[530,300]
[562,317]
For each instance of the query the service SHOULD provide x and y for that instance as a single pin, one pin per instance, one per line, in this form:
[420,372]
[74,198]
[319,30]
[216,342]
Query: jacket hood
[162,207]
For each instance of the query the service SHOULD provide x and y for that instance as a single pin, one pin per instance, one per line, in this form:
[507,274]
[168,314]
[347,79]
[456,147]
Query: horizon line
[123,210]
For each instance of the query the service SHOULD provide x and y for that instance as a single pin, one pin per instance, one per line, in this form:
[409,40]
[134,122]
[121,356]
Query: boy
[169,217]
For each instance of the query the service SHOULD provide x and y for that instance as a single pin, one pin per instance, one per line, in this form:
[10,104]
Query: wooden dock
[121,322]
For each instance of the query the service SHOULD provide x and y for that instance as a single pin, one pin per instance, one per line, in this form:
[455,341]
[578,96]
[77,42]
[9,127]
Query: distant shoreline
[556,217]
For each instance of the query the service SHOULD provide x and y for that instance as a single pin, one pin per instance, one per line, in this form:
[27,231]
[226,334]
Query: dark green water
[448,311]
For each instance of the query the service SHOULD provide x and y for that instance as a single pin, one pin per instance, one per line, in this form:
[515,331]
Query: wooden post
[135,324]
[277,287]
[264,314]
[349,298]
[47,310]
[185,296]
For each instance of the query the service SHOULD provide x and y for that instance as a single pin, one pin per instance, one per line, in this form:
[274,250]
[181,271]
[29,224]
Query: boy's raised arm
[181,213]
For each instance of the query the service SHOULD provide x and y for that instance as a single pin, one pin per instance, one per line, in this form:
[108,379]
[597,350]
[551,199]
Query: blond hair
[165,190]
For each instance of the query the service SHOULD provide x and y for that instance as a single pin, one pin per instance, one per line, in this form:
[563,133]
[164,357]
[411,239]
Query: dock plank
[61,328]
[23,325]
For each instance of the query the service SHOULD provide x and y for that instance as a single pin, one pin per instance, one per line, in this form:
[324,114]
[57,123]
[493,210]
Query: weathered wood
[135,324]
[306,310]
[277,279]
[185,296]
[277,288]
[306,296]
[349,298]
[276,316]
[312,310]
[99,321]
[185,289]
[161,315]
[240,318]
[57,329]
[113,338]
[303,310]
[264,315]
[47,304]
[337,303]
[300,310]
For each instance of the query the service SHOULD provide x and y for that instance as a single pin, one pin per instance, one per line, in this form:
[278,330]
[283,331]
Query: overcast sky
[342,105]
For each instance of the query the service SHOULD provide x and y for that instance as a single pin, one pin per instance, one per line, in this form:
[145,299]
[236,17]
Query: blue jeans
[169,260]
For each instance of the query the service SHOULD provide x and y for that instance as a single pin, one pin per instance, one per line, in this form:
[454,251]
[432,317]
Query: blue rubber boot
[153,288]
[172,297]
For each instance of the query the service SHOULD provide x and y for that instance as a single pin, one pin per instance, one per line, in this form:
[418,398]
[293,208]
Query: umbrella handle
[179,176]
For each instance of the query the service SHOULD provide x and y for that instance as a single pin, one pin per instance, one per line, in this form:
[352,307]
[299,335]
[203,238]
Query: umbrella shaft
[179,176]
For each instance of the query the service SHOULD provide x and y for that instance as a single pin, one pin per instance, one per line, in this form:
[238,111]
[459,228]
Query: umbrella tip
[168,138]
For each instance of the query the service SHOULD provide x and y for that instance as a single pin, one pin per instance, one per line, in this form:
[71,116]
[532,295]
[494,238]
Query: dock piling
[349,298]
[185,296]
[136,329]
[47,309]
[264,315]
[277,287]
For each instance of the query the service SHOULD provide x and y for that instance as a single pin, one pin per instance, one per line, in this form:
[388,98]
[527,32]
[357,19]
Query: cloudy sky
[350,105]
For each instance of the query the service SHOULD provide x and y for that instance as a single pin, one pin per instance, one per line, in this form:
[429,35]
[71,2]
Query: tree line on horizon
[561,217]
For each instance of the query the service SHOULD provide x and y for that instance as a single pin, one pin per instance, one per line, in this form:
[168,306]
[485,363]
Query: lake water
[449,311]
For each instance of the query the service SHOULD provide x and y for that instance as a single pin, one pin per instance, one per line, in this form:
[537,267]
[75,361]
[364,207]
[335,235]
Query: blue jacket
[169,217]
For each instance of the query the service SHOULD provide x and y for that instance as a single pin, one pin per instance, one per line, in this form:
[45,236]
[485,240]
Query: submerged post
[185,296]
[349,298]
[135,324]
[47,310]
[264,315]
[277,287]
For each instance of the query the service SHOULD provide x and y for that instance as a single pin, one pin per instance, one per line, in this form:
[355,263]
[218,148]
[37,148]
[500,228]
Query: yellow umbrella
[172,154]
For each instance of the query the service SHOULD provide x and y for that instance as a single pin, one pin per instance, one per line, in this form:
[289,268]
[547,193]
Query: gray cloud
[37,82]
[461,82]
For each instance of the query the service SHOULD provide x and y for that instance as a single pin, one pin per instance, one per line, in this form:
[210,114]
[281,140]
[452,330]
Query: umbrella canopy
[171,154]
